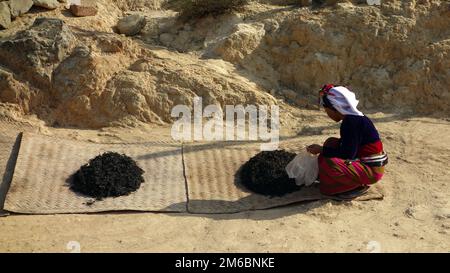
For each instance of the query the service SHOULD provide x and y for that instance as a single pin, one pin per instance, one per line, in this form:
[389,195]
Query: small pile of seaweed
[265,173]
[108,175]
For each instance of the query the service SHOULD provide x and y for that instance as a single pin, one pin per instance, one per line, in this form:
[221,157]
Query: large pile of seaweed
[108,175]
[265,173]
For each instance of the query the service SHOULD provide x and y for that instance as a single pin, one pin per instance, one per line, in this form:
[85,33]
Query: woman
[347,166]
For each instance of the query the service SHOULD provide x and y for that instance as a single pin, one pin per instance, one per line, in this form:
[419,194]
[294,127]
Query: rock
[5,15]
[271,25]
[48,4]
[83,11]
[166,39]
[131,25]
[33,53]
[19,7]
[242,42]
[93,73]
[290,94]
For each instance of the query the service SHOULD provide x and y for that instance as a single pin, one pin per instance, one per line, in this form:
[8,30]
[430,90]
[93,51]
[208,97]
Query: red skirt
[336,175]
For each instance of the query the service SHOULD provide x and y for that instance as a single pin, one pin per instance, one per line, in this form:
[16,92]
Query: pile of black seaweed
[108,175]
[265,173]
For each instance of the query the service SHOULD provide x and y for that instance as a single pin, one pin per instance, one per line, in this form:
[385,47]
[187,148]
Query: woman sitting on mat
[347,166]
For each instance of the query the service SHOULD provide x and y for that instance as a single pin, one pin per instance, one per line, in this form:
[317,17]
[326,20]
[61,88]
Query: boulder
[19,7]
[5,15]
[131,25]
[83,11]
[244,39]
[93,71]
[48,4]
[33,53]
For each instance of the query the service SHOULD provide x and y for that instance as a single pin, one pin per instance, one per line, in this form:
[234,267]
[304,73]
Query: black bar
[218,262]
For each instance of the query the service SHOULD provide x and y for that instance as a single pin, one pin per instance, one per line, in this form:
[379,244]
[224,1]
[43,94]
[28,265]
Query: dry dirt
[93,84]
[414,216]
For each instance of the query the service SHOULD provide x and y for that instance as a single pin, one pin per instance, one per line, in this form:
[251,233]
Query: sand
[413,217]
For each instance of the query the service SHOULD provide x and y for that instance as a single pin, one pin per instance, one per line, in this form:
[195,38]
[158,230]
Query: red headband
[325,89]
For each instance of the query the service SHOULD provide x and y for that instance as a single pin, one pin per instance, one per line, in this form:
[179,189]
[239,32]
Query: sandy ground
[414,216]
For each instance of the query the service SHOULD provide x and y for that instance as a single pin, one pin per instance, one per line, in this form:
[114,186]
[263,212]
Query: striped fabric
[338,175]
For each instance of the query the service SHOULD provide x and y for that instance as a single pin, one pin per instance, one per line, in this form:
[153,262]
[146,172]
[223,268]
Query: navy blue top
[356,131]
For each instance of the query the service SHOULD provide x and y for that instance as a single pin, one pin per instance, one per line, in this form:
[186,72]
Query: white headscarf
[344,101]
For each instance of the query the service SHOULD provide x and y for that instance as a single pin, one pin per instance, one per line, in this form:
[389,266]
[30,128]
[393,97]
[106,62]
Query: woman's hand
[314,149]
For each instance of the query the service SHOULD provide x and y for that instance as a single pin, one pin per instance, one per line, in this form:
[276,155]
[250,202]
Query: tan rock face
[15,92]
[83,11]
[391,62]
[131,25]
[146,91]
[48,4]
[19,7]
[113,81]
[79,80]
[11,91]
[395,57]
[5,15]
[241,43]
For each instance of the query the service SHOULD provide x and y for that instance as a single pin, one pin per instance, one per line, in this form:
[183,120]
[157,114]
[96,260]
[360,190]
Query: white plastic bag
[304,168]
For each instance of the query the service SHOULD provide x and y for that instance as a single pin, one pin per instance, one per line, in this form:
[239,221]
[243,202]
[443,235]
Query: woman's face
[334,115]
